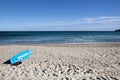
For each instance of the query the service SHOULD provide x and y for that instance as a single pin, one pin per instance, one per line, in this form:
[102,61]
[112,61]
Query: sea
[58,37]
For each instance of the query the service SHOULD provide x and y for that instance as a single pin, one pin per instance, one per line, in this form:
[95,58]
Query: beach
[62,62]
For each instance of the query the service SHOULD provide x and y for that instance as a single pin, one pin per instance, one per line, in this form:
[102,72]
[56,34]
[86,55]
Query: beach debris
[17,63]
[18,58]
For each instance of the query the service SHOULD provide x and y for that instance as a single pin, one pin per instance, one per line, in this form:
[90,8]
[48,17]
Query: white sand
[63,62]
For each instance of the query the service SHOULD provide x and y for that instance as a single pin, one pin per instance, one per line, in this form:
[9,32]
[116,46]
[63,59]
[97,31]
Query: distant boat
[118,30]
[20,57]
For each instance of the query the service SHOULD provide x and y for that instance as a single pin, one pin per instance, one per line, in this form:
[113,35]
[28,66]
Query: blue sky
[59,15]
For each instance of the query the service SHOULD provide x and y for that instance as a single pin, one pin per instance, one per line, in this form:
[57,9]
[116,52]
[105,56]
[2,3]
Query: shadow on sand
[7,62]
[15,64]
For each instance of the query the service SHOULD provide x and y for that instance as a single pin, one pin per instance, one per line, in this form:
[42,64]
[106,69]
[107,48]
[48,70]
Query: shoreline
[70,44]
[63,43]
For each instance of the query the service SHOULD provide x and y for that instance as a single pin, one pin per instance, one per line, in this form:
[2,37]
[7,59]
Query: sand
[63,62]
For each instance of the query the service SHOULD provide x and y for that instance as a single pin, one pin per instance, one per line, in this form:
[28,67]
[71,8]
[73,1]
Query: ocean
[57,37]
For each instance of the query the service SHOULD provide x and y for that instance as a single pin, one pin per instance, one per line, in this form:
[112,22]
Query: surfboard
[20,56]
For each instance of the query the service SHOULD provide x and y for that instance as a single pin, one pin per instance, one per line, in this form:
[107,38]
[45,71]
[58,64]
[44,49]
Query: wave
[58,37]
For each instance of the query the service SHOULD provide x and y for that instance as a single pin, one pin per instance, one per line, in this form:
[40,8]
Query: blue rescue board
[20,56]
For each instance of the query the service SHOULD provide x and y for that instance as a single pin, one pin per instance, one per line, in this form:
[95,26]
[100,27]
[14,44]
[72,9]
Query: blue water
[56,37]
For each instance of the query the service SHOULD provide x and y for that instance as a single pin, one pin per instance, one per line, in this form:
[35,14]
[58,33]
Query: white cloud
[83,24]
[107,19]
[102,19]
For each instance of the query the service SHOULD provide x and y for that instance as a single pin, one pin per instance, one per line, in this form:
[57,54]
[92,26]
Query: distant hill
[118,30]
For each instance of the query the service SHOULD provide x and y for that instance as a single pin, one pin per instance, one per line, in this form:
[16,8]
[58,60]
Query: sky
[59,15]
